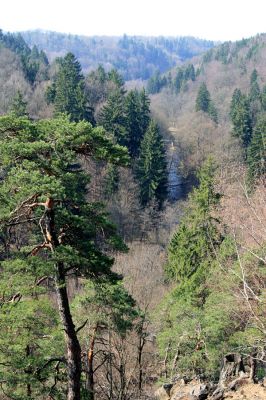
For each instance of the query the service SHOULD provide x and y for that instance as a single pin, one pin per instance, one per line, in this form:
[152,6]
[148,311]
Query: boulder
[200,392]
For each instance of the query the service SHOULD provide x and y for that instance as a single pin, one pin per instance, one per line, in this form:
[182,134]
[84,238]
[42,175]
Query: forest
[132,218]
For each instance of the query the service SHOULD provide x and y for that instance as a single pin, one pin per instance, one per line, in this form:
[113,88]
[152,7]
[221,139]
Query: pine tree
[50,231]
[152,167]
[68,91]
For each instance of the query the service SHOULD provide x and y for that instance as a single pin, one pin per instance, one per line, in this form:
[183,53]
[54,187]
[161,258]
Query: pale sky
[209,19]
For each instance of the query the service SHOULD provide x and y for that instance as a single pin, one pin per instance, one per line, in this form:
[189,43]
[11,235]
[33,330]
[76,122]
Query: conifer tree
[50,231]
[254,93]
[144,111]
[205,104]
[257,151]
[152,167]
[192,248]
[68,91]
[113,117]
[263,98]
[133,123]
[203,99]
[19,105]
[241,117]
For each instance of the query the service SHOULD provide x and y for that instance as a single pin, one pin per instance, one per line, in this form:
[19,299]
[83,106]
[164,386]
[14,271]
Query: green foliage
[133,122]
[19,106]
[108,304]
[68,91]
[113,117]
[127,117]
[30,347]
[39,160]
[176,84]
[33,62]
[205,104]
[256,158]
[151,167]
[263,98]
[156,83]
[133,57]
[192,248]
[241,117]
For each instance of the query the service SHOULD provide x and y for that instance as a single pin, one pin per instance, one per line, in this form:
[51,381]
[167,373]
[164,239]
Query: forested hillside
[132,222]
[134,57]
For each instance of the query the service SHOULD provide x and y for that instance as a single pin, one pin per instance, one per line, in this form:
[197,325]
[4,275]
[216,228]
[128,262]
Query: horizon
[209,20]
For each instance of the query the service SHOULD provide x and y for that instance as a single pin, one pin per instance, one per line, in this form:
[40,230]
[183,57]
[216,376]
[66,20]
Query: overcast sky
[210,19]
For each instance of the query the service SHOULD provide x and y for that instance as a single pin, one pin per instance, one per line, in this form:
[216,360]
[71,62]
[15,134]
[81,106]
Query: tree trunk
[72,344]
[90,373]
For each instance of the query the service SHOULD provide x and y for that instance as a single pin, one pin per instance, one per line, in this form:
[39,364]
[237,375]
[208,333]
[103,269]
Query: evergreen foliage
[49,231]
[241,117]
[192,248]
[205,104]
[176,83]
[113,117]
[152,168]
[127,117]
[256,158]
[68,91]
[19,106]
[33,62]
[203,98]
[133,57]
[133,123]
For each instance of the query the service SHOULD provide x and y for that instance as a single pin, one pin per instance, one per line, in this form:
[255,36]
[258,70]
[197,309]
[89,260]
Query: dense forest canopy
[135,57]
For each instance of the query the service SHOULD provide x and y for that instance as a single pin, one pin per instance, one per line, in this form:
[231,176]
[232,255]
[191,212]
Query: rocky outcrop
[236,382]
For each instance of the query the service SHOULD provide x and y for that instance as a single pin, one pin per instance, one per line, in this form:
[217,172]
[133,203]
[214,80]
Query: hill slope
[223,69]
[134,57]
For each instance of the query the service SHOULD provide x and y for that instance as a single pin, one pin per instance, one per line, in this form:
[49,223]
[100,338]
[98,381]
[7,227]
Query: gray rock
[200,392]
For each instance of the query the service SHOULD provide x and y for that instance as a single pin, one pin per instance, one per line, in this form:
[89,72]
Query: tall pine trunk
[71,339]
[72,343]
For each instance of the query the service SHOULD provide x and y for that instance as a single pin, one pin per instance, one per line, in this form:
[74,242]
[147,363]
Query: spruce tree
[205,104]
[257,151]
[113,117]
[152,167]
[241,117]
[68,91]
[263,98]
[133,123]
[144,111]
[192,248]
[203,98]
[254,93]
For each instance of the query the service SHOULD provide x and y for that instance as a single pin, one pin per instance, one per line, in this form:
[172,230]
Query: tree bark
[47,224]
[90,374]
